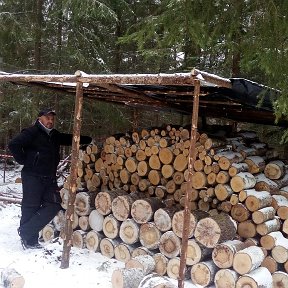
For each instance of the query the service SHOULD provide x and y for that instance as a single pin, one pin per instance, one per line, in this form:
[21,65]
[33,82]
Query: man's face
[47,120]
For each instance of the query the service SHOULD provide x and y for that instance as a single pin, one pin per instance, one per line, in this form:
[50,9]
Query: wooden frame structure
[116,85]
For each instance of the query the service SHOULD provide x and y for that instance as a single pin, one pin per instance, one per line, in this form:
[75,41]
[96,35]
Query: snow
[41,268]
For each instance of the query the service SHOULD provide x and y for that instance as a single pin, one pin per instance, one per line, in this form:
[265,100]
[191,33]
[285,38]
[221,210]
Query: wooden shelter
[235,99]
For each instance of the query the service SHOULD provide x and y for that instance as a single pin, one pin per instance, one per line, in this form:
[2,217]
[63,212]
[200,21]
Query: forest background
[230,38]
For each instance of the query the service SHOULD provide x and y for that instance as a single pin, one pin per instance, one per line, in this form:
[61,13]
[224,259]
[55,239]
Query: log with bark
[260,277]
[212,231]
[170,244]
[127,278]
[156,281]
[129,231]
[142,210]
[248,259]
[203,273]
[225,278]
[223,253]
[143,262]
[11,278]
[280,279]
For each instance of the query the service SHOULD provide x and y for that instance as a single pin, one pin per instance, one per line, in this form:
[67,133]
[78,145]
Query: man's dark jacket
[38,151]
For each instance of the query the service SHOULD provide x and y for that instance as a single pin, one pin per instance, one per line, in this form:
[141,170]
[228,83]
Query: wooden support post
[73,172]
[192,156]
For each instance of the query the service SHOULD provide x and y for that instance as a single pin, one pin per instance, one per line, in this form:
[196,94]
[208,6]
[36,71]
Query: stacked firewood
[130,203]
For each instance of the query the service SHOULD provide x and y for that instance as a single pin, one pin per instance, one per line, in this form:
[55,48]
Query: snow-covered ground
[41,268]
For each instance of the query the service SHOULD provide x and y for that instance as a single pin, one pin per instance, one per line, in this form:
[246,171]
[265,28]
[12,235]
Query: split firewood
[203,273]
[248,259]
[260,277]
[127,278]
[11,278]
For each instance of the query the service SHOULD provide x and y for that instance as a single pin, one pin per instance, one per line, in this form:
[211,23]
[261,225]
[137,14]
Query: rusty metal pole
[73,173]
[191,160]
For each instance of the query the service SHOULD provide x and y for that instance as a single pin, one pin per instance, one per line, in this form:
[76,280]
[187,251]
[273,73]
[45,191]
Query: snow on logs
[131,194]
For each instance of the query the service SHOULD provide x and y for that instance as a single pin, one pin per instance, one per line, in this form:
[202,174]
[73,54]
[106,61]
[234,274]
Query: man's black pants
[40,203]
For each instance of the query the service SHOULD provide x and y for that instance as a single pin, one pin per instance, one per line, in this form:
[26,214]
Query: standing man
[37,148]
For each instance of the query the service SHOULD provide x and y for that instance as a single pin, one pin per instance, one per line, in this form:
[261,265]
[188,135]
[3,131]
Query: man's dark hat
[46,111]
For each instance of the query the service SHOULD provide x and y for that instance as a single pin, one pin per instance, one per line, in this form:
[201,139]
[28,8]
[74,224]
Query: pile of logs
[130,203]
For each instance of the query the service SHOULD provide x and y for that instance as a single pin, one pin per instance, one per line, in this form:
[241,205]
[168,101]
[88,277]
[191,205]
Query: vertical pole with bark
[191,161]
[73,173]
